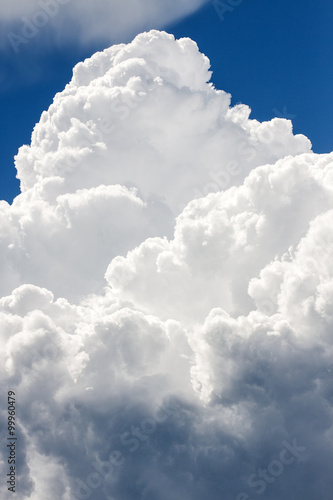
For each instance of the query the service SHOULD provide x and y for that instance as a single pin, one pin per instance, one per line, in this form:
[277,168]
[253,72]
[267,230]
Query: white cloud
[202,366]
[89,20]
[139,116]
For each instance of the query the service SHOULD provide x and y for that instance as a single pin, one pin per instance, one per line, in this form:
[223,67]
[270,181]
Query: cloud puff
[202,365]
[137,132]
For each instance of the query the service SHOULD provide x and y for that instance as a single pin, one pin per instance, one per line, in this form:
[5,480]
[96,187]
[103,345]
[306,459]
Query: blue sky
[275,57]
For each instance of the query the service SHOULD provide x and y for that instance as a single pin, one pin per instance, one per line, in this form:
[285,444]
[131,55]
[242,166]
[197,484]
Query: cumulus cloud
[166,309]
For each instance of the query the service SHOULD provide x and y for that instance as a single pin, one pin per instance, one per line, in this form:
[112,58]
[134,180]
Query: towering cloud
[167,291]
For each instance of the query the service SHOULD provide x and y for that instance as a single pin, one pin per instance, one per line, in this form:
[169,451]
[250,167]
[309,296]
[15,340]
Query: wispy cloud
[86,21]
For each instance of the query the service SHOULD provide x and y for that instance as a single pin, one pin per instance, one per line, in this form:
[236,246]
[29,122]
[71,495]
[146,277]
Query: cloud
[201,364]
[88,21]
[138,132]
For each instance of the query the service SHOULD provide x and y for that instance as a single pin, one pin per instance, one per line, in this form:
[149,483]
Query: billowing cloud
[166,310]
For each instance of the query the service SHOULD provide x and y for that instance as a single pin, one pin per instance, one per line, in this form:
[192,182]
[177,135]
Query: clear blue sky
[275,56]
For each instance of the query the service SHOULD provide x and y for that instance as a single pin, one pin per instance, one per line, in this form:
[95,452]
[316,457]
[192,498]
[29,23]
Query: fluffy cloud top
[202,365]
[137,132]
